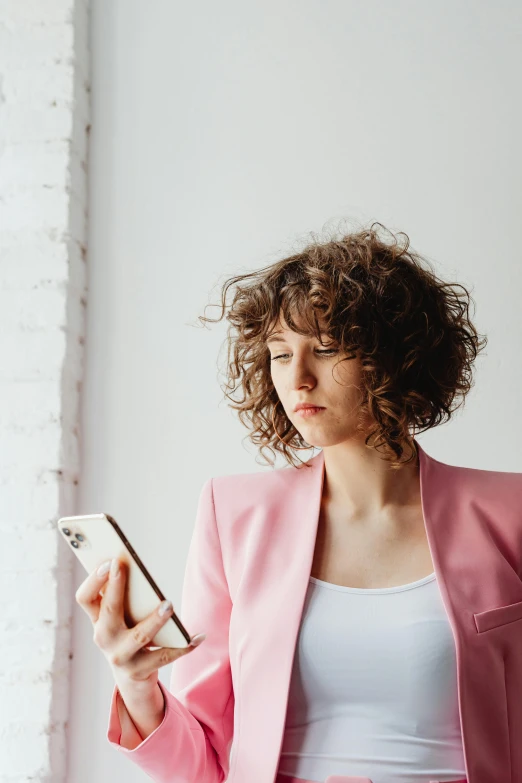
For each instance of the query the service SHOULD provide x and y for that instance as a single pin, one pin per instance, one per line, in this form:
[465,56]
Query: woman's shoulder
[252,478]
[260,481]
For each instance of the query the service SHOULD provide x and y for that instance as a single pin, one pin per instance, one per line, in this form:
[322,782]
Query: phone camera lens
[66,531]
[80,537]
[75,544]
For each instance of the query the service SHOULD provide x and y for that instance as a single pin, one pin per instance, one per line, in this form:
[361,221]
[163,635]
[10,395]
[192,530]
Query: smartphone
[95,538]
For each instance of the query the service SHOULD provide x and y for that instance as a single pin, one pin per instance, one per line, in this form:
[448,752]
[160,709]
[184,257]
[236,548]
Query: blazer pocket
[500,615]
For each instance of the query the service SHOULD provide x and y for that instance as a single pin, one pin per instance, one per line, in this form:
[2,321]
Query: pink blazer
[246,576]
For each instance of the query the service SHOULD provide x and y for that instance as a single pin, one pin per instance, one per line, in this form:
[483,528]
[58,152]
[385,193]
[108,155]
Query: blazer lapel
[276,581]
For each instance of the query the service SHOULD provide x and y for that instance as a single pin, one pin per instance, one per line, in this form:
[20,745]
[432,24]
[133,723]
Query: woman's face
[303,371]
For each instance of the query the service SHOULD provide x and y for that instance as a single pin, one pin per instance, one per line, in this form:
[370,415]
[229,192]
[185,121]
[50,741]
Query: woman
[360,609]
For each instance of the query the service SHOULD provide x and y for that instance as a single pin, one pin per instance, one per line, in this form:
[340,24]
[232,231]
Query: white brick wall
[44,116]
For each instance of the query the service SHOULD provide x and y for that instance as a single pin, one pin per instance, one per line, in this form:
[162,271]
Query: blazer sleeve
[192,743]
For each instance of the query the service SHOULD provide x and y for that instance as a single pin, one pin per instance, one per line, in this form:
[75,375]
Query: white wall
[221,134]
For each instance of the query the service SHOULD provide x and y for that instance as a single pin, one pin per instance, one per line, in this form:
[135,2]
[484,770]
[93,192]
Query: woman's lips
[309,411]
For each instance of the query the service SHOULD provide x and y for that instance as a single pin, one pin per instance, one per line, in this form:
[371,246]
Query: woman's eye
[282,355]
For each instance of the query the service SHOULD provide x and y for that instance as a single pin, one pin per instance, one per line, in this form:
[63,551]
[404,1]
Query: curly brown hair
[410,329]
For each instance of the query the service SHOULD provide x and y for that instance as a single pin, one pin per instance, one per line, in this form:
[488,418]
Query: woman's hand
[126,649]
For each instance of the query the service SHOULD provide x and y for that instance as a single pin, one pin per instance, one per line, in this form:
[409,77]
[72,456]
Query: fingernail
[164,607]
[102,570]
[198,639]
[115,567]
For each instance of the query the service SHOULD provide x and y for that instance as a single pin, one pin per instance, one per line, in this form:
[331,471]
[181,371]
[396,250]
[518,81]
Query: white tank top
[373,690]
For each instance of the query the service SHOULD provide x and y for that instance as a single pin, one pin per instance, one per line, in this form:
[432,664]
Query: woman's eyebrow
[274,339]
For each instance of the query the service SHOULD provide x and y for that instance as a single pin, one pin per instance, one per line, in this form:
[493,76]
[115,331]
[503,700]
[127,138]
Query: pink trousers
[343,779]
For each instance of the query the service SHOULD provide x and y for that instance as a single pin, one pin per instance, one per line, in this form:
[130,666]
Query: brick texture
[44,129]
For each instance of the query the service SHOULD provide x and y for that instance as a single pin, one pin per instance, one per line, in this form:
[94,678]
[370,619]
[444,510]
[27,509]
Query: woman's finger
[142,634]
[111,620]
[88,594]
[146,662]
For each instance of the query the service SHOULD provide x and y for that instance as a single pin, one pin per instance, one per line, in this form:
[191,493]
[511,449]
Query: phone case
[95,538]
